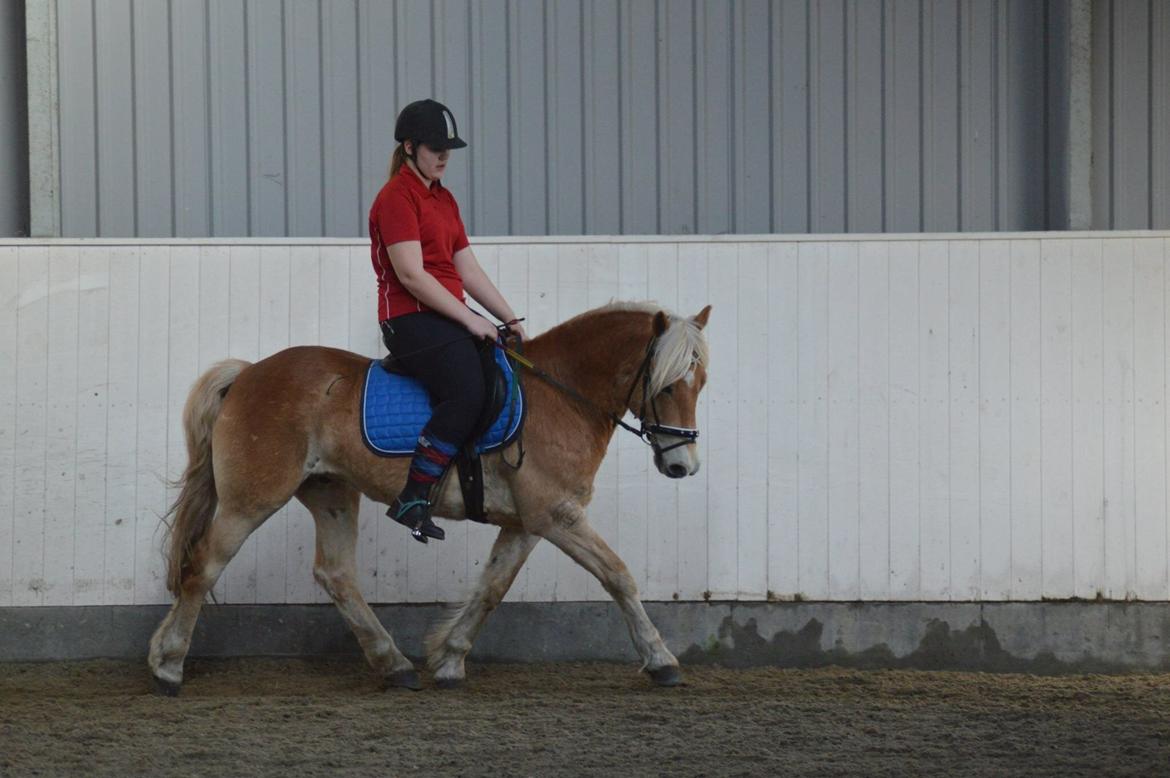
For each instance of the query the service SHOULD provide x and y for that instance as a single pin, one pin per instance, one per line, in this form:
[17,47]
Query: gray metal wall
[1131,114]
[13,123]
[210,117]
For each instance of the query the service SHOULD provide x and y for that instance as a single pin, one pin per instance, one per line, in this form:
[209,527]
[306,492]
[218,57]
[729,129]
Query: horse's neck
[597,357]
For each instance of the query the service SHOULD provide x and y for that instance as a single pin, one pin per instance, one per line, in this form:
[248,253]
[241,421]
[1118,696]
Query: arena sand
[282,717]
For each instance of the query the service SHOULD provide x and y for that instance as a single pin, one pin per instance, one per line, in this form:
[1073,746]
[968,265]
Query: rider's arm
[480,287]
[406,258]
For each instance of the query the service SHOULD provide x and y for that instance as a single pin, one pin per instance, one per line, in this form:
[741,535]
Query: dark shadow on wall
[14,193]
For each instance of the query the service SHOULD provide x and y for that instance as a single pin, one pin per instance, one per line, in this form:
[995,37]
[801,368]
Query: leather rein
[646,432]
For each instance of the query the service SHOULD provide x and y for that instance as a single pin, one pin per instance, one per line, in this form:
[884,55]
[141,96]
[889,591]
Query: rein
[645,432]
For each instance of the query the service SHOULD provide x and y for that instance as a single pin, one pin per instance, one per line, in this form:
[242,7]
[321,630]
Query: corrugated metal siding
[274,117]
[912,418]
[13,123]
[1131,114]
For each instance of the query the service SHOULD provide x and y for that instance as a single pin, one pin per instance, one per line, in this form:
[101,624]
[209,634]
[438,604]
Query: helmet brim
[442,144]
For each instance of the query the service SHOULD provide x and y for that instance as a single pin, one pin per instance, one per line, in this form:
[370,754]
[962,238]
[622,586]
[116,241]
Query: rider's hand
[517,330]
[481,329]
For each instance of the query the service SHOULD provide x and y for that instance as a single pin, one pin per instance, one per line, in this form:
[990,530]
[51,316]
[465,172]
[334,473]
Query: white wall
[890,418]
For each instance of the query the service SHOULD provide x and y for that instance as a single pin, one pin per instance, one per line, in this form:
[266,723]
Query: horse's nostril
[676,471]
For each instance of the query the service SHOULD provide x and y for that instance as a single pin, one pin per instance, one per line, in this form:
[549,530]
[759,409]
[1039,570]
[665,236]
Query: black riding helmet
[429,122]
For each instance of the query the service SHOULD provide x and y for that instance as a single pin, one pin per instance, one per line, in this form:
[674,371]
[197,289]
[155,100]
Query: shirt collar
[417,183]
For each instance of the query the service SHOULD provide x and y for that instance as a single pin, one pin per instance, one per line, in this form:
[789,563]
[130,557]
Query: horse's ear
[701,318]
[660,323]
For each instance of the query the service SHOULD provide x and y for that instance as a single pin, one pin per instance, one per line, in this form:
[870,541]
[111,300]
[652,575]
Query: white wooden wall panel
[963,330]
[885,419]
[9,306]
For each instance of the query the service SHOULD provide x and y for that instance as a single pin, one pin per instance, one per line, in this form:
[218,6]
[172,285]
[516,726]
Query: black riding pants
[441,354]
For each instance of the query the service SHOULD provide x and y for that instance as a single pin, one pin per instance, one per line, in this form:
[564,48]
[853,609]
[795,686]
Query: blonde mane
[678,349]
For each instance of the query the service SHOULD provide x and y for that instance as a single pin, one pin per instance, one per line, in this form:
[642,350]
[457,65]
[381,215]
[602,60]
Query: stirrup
[415,515]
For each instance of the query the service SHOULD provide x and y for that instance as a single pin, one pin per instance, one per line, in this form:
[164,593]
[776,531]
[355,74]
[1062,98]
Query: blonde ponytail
[397,160]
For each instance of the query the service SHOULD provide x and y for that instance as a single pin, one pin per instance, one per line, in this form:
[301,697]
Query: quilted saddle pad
[395,408]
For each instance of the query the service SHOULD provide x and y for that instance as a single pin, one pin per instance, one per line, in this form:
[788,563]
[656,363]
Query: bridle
[646,432]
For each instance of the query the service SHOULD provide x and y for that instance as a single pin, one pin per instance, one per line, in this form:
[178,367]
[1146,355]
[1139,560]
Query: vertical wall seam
[207,130]
[1104,536]
[1040,309]
[996,99]
[661,105]
[808,37]
[1011,420]
[134,204]
[845,63]
[959,51]
[620,122]
[732,169]
[1150,138]
[322,185]
[979,412]
[174,226]
[771,117]
[922,119]
[549,68]
[361,112]
[883,130]
[1045,145]
[248,173]
[97,127]
[1112,76]
[510,101]
[77,427]
[584,124]
[918,393]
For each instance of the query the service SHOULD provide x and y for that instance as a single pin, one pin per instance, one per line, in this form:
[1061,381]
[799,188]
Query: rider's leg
[441,355]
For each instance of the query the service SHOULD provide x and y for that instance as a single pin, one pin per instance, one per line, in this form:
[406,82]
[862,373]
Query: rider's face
[431,164]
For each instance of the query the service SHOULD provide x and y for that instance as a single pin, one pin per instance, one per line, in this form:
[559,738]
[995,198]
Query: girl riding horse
[424,263]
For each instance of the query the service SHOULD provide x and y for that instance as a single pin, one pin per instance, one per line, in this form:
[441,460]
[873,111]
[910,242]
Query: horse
[259,434]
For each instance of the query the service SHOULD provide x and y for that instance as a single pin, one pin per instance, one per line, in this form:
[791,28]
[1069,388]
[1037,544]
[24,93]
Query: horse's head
[676,374]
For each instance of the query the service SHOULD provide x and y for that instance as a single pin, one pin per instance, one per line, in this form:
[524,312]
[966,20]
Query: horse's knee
[621,585]
[331,580]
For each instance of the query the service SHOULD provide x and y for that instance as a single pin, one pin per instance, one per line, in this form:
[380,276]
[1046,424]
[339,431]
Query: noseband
[648,432]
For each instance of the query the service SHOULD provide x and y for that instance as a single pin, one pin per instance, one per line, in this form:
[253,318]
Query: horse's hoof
[404,679]
[166,688]
[667,675]
[449,683]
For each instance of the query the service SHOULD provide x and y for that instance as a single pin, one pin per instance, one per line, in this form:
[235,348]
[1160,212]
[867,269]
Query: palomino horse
[289,427]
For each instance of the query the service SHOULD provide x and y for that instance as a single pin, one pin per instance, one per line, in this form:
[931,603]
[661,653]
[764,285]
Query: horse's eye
[668,390]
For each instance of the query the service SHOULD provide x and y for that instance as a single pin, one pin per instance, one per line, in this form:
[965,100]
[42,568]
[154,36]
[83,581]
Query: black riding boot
[412,509]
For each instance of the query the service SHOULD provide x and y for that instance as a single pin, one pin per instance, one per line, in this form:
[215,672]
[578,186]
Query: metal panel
[14,128]
[77,118]
[1131,115]
[607,117]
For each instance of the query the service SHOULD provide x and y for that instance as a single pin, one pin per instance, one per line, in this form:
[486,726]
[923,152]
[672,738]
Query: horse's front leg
[451,639]
[570,531]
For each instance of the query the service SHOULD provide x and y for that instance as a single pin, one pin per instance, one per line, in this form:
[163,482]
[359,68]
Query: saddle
[396,407]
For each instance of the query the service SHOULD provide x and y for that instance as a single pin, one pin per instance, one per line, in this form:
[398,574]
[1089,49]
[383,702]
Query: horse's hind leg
[168,647]
[450,640]
[573,535]
[334,505]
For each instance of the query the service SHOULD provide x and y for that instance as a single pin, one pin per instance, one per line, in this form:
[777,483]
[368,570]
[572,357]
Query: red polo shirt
[407,209]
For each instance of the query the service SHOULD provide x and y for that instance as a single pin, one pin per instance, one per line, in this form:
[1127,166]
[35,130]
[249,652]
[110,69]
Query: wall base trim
[1034,637]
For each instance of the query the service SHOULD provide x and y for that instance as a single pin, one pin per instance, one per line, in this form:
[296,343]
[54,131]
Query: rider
[424,264]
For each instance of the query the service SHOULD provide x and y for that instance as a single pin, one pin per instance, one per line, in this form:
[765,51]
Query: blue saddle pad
[395,408]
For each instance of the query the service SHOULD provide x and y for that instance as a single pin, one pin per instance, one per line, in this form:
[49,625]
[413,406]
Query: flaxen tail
[192,512]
